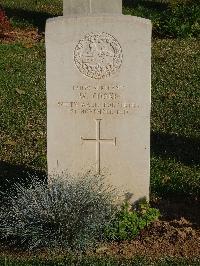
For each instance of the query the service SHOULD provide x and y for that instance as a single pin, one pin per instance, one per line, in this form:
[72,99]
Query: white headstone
[98,94]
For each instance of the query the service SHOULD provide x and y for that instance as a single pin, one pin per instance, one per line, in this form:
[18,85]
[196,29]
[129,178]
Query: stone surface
[75,7]
[98,95]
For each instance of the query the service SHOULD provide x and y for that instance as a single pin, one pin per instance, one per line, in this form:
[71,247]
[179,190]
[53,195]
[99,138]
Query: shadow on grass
[178,198]
[184,150]
[37,19]
[12,174]
[175,209]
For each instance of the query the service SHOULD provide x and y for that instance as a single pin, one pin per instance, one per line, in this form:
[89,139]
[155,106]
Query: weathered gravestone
[98,93]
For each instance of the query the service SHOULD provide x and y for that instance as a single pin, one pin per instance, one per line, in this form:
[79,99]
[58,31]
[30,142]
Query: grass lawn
[175,121]
[86,261]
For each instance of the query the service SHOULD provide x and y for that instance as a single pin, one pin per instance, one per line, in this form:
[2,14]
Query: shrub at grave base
[4,22]
[68,213]
[128,223]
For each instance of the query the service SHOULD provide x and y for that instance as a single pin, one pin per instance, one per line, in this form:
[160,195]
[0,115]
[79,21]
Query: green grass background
[106,261]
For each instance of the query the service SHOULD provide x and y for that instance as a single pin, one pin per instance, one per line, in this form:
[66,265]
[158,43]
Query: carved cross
[98,141]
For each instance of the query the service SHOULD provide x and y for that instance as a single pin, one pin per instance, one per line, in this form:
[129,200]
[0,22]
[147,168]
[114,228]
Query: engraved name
[103,92]
[98,100]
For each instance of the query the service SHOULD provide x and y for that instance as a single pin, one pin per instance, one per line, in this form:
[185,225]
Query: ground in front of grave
[176,234]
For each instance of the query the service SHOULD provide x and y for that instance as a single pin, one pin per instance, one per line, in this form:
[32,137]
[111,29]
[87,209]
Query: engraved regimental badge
[98,55]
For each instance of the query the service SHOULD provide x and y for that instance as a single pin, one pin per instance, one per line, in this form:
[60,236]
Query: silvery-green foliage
[67,213]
